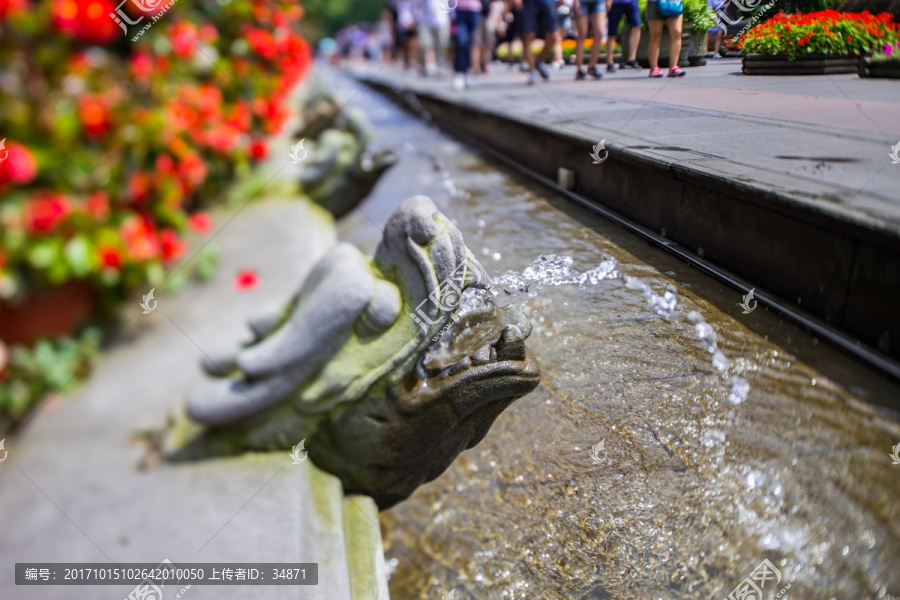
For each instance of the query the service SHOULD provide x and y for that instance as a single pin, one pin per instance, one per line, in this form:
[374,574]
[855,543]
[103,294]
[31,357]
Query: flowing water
[674,442]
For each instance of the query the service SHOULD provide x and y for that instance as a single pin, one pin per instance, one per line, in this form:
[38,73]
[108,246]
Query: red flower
[94,115]
[97,205]
[209,33]
[200,222]
[88,21]
[165,164]
[139,187]
[141,65]
[246,280]
[140,238]
[172,247]
[258,149]
[849,38]
[46,212]
[802,41]
[18,166]
[183,36]
[110,257]
[192,171]
[8,6]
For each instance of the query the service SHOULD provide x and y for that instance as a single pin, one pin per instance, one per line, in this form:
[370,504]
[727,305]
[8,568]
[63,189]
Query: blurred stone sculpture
[341,171]
[370,363]
[320,109]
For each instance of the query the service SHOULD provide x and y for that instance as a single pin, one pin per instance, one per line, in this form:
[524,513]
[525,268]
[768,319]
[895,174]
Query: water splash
[549,269]
[663,305]
[512,287]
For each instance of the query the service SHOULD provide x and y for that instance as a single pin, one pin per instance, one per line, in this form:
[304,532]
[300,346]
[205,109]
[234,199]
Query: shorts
[592,7]
[630,10]
[434,38]
[514,29]
[653,13]
[539,15]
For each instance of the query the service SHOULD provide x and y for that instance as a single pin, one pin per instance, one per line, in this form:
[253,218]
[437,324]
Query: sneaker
[716,55]
[467,83]
[610,68]
[542,69]
[655,72]
[532,78]
[676,72]
[579,75]
[632,64]
[558,65]
[593,72]
[459,82]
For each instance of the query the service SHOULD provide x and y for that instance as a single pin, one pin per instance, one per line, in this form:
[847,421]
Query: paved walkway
[824,136]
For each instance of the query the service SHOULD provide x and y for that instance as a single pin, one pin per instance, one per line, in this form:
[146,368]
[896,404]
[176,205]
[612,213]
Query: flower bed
[116,136]
[826,33]
[114,144]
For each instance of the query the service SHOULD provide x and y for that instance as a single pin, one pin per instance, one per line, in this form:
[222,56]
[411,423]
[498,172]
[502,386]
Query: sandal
[676,72]
[655,72]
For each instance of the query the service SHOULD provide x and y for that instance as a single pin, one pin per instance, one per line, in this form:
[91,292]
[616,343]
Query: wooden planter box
[55,311]
[767,64]
[889,69]
[693,47]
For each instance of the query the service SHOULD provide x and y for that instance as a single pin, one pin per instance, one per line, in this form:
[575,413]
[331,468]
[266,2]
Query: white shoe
[466,81]
[459,82]
[558,65]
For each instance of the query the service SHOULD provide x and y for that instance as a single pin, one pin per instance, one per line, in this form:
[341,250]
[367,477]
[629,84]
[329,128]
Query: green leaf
[79,252]
[44,253]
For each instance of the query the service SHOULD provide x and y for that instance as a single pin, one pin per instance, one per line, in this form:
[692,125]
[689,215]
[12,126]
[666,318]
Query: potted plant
[819,43]
[884,62]
[101,181]
[698,20]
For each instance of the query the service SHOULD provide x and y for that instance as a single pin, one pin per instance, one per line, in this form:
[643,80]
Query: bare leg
[527,40]
[610,46]
[656,28]
[674,40]
[599,22]
[635,40]
[581,28]
[551,42]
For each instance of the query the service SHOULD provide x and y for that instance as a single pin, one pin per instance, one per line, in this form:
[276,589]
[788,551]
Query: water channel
[674,442]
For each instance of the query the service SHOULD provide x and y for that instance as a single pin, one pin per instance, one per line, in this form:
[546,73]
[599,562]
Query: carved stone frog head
[351,363]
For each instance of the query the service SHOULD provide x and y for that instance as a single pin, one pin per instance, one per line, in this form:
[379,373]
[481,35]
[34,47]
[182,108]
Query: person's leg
[429,50]
[656,28]
[550,24]
[581,25]
[529,27]
[674,26]
[550,43]
[463,42]
[598,22]
[442,43]
[718,42]
[633,42]
[612,23]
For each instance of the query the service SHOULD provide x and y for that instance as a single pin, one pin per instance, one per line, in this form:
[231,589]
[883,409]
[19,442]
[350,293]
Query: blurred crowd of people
[436,37]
